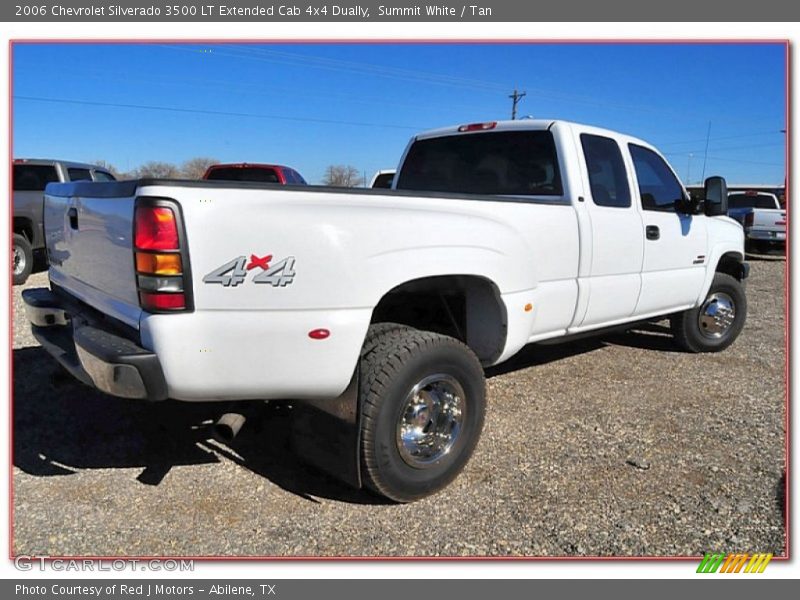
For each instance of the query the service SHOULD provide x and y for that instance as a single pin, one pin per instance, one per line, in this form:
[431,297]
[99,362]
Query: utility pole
[705,154]
[515,98]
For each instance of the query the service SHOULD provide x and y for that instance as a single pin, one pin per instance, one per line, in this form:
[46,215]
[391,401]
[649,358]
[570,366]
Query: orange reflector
[528,307]
[158,264]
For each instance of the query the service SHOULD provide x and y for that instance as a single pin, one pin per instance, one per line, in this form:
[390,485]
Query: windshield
[513,163]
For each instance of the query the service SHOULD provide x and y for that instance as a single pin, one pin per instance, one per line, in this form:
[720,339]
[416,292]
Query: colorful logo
[734,563]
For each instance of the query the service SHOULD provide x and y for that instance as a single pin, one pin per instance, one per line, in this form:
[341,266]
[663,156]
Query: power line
[247,52]
[723,137]
[729,148]
[347,66]
[253,89]
[214,112]
[743,161]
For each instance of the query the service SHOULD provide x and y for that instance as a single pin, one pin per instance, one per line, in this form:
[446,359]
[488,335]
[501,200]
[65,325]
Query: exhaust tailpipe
[227,427]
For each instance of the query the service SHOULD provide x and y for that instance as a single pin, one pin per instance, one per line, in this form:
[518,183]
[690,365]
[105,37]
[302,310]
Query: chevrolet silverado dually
[380,309]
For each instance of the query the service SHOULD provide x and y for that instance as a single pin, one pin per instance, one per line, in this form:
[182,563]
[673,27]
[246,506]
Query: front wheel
[717,322]
[423,403]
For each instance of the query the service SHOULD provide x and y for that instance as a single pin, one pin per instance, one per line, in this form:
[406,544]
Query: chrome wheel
[18,260]
[431,420]
[717,315]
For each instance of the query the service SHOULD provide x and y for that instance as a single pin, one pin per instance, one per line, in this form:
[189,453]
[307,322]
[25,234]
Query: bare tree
[342,176]
[158,170]
[195,168]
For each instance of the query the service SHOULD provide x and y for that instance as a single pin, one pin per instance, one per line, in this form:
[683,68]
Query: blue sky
[311,105]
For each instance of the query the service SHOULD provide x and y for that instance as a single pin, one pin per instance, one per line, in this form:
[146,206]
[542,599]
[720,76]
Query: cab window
[78,174]
[506,163]
[658,186]
[33,178]
[607,176]
[103,176]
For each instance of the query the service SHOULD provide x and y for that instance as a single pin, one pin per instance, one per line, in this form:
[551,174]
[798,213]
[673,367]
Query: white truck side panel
[249,354]
[342,272]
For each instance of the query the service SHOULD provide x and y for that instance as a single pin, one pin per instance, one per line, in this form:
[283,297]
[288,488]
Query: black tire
[394,360]
[692,336]
[21,259]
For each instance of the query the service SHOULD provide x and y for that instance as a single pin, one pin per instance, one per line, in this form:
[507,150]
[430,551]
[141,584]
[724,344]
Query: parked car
[30,176]
[382,179]
[380,311]
[254,172]
[762,217]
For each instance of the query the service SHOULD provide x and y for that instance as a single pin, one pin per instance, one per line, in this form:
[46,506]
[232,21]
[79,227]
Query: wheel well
[24,227]
[731,264]
[467,308]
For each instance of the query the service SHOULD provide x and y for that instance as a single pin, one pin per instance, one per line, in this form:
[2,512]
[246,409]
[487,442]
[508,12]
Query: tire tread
[387,348]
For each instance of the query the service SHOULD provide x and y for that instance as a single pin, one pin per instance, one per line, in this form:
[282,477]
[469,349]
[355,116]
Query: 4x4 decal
[234,272]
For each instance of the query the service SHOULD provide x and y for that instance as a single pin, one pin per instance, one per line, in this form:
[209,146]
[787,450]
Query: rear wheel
[423,404]
[21,259]
[717,322]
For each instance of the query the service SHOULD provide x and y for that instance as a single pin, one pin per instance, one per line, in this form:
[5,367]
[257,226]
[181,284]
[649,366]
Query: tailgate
[769,220]
[89,231]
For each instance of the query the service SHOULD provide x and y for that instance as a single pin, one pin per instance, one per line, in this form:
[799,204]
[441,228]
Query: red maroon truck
[254,172]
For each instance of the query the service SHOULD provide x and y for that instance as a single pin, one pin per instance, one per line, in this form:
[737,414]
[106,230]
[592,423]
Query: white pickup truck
[761,216]
[380,308]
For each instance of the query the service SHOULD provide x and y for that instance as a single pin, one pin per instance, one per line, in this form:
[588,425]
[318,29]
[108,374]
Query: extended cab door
[610,292]
[675,246]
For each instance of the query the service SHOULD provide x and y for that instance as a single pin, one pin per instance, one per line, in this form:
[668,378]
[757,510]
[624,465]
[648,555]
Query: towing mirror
[716,197]
[687,206]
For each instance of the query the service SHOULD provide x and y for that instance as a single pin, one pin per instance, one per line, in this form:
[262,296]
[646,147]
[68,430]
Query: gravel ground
[618,446]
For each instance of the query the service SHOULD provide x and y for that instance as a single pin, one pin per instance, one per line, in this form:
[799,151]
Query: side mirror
[716,197]
[687,206]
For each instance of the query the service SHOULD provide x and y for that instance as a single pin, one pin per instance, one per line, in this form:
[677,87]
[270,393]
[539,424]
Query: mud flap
[327,434]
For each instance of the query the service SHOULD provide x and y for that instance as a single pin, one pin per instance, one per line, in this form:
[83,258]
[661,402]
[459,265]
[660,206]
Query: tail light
[748,219]
[162,263]
[478,126]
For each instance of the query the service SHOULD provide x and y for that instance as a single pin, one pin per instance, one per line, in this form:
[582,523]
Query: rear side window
[513,163]
[257,174]
[607,176]
[33,178]
[79,174]
[744,200]
[383,181]
[658,186]
[103,176]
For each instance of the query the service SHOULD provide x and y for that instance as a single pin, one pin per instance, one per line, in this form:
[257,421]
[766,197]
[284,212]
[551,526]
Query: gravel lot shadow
[534,355]
[646,336]
[62,427]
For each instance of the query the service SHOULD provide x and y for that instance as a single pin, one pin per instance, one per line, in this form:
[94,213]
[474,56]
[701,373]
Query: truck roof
[246,165]
[54,161]
[523,124]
